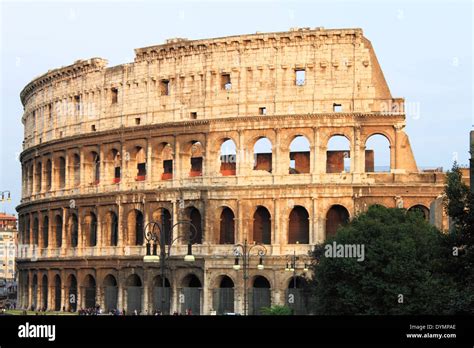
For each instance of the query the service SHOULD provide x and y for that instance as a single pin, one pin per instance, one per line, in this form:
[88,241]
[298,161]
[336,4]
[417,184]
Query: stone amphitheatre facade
[203,130]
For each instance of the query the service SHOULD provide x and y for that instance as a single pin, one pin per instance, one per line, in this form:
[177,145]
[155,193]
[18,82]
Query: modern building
[8,240]
[234,134]
[8,237]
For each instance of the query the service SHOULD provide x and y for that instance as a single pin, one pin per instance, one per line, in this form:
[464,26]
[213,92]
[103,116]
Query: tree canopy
[402,272]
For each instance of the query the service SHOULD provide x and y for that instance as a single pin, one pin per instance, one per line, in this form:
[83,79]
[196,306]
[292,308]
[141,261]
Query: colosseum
[232,134]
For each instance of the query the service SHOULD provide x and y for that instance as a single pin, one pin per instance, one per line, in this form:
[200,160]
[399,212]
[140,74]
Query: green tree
[401,273]
[276,310]
[459,205]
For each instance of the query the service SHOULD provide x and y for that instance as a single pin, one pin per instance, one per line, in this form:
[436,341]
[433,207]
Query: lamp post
[243,251]
[291,267]
[155,240]
[3,197]
[8,197]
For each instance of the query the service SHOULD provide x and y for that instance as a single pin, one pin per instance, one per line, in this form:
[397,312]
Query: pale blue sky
[424,48]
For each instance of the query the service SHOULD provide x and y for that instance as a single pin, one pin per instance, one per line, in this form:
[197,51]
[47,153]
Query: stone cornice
[191,125]
[182,46]
[78,68]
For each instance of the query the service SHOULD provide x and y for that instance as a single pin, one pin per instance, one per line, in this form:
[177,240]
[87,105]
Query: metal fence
[160,294]
[297,300]
[223,300]
[259,298]
[190,300]
[111,296]
[134,299]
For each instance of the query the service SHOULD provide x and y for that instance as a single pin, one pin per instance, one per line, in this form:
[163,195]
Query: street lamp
[154,239]
[291,265]
[243,251]
[3,196]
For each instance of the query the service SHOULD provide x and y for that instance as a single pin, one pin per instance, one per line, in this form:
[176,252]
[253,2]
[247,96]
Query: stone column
[276,224]
[82,169]
[239,236]
[102,175]
[149,160]
[176,161]
[357,152]
[120,220]
[64,244]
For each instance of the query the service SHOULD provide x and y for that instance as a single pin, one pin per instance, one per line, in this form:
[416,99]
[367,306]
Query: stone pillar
[314,236]
[124,170]
[177,161]
[358,152]
[239,235]
[64,244]
[67,179]
[30,290]
[146,304]
[82,168]
[277,160]
[102,174]
[276,224]
[120,297]
[240,154]
[53,187]
[120,217]
[149,161]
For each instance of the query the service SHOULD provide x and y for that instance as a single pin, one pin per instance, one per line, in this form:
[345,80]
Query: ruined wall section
[340,68]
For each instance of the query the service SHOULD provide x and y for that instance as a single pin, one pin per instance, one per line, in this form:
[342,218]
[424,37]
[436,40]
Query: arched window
[134,293]
[44,292]
[196,159]
[96,168]
[117,166]
[227,229]
[167,159]
[191,289]
[27,229]
[228,158]
[135,227]
[34,293]
[195,217]
[261,226]
[336,216]
[112,223]
[224,296]
[421,209]
[262,151]
[77,169]
[299,155]
[89,292]
[110,293]
[35,231]
[48,172]
[38,177]
[260,295]
[45,234]
[72,293]
[62,172]
[91,229]
[298,229]
[163,216]
[57,292]
[58,230]
[338,155]
[74,231]
[377,154]
[140,158]
[161,295]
